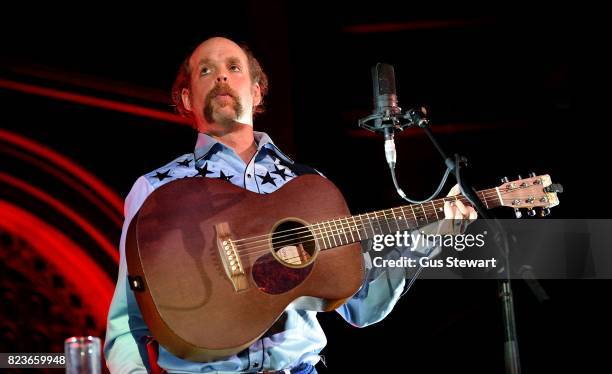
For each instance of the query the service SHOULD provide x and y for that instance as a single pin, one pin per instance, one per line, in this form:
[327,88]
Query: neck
[238,137]
[346,230]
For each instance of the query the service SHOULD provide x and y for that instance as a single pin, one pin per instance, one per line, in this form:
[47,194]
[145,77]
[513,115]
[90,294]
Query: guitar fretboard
[347,230]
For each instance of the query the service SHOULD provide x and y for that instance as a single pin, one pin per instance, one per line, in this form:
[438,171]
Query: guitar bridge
[230,259]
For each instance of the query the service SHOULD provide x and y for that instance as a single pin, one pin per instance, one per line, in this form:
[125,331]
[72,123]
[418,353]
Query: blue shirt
[301,341]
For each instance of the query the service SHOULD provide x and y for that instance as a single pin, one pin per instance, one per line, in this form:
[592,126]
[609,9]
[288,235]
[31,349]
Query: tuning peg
[505,180]
[555,187]
[520,177]
[532,174]
[517,213]
[544,212]
[531,212]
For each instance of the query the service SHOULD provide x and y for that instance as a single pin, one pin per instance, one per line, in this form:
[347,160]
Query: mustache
[221,89]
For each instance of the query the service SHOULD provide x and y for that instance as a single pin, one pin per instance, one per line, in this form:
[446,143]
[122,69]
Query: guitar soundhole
[293,244]
[290,261]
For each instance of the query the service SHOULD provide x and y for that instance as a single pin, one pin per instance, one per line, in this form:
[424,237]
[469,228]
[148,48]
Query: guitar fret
[370,222]
[348,224]
[401,223]
[370,225]
[358,225]
[387,221]
[321,234]
[343,230]
[416,220]
[483,198]
[499,199]
[327,235]
[423,217]
[348,227]
[486,199]
[365,224]
[405,219]
[337,231]
[492,198]
[331,229]
[396,220]
[313,228]
[435,209]
[402,218]
[355,223]
[378,223]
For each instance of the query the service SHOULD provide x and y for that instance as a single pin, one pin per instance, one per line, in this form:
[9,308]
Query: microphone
[385,96]
[385,106]
[387,116]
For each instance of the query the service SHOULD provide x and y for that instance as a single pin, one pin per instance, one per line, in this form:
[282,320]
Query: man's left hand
[457,209]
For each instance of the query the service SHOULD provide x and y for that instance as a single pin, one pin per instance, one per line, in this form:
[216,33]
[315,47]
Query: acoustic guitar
[213,266]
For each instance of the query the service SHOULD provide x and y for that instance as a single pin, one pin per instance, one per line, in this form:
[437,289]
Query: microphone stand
[387,123]
[511,350]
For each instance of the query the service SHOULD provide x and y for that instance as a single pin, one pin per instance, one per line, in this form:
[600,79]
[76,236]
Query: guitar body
[212,267]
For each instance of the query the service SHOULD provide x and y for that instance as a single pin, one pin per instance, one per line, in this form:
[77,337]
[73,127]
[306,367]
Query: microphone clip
[389,120]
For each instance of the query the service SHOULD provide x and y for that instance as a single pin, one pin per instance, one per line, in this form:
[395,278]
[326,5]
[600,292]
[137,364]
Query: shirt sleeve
[124,347]
[383,287]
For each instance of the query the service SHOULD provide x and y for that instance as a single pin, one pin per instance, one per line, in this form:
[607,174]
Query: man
[220,87]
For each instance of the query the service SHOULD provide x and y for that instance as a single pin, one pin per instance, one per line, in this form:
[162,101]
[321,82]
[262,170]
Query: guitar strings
[326,233]
[344,228]
[334,231]
[424,209]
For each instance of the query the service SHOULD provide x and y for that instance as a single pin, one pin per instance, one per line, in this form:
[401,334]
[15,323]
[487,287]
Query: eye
[205,70]
[234,67]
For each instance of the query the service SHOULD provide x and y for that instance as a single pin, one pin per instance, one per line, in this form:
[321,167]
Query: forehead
[216,50]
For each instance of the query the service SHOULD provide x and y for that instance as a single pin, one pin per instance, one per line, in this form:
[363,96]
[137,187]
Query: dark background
[508,88]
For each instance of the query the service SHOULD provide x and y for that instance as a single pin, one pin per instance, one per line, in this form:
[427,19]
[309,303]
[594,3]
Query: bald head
[211,57]
[215,47]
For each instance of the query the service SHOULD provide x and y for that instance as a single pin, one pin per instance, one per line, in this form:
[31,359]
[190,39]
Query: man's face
[222,92]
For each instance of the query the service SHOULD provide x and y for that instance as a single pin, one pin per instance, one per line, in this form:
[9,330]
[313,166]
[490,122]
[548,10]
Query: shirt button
[255,364]
[248,175]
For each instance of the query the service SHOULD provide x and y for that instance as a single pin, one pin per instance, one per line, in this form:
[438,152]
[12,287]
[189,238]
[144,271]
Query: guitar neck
[347,230]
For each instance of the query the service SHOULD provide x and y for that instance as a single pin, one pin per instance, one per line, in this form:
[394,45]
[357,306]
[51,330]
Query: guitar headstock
[533,192]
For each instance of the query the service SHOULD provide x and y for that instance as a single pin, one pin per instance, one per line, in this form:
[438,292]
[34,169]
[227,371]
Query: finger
[454,191]
[458,214]
[448,210]
[473,214]
[462,208]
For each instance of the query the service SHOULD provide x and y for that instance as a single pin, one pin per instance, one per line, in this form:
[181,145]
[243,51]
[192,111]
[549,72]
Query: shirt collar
[206,145]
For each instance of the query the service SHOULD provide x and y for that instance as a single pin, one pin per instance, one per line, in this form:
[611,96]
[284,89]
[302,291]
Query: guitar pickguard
[274,278]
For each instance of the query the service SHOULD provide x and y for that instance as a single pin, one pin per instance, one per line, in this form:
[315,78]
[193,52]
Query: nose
[221,78]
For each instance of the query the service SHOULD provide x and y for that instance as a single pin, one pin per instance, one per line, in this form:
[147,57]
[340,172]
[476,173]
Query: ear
[185,97]
[256,95]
